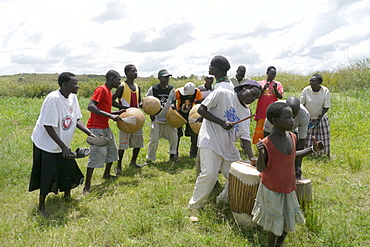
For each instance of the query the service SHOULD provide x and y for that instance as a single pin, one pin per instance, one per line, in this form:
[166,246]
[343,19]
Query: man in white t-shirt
[301,118]
[54,167]
[217,136]
[240,77]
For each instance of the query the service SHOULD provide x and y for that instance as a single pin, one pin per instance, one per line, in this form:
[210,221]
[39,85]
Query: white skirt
[276,212]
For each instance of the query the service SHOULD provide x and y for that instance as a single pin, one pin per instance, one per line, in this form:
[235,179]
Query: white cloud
[85,36]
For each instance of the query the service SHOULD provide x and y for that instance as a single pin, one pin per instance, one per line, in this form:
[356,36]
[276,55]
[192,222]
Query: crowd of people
[286,131]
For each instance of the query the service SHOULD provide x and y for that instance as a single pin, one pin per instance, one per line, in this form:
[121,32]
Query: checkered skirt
[322,133]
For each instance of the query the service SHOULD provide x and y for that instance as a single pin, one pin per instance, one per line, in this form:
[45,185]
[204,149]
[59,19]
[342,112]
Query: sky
[92,37]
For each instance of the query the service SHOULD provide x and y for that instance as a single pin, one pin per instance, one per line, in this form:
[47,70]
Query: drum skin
[174,118]
[243,185]
[129,128]
[193,116]
[151,105]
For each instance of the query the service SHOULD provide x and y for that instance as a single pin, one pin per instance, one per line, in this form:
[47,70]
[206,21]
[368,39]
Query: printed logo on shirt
[67,122]
[231,116]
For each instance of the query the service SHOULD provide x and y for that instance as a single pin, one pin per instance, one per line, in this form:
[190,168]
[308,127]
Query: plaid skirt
[322,133]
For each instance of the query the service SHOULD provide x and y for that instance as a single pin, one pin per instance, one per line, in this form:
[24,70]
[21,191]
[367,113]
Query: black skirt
[52,173]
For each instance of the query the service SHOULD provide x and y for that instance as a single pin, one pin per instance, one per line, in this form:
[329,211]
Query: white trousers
[158,131]
[210,164]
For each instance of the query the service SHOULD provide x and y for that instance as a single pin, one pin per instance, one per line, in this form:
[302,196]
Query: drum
[174,118]
[243,185]
[151,105]
[193,116]
[304,191]
[134,120]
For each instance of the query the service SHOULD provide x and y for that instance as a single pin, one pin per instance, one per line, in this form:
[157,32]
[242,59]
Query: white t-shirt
[60,113]
[224,84]
[300,122]
[235,81]
[315,101]
[225,105]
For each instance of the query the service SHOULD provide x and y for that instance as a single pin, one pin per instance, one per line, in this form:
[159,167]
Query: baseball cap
[163,72]
[251,83]
[188,89]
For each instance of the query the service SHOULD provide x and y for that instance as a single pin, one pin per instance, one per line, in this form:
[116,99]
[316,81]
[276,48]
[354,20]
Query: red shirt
[267,97]
[103,96]
[279,174]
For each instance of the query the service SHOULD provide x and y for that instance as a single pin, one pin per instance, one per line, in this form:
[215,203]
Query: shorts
[101,155]
[134,140]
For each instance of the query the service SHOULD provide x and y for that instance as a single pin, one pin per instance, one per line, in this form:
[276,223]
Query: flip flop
[82,152]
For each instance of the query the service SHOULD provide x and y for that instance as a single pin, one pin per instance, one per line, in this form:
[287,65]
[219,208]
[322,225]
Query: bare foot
[86,191]
[109,177]
[41,210]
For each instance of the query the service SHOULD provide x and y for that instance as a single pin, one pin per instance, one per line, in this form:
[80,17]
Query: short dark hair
[275,109]
[111,73]
[128,67]
[318,76]
[65,77]
[270,68]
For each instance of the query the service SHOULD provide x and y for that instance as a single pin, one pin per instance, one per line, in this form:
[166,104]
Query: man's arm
[66,152]
[92,106]
[203,111]
[247,148]
[117,94]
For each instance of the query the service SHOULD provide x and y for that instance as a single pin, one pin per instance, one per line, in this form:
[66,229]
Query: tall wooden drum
[243,185]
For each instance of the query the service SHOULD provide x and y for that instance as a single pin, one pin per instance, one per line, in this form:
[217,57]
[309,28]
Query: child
[276,208]
[100,106]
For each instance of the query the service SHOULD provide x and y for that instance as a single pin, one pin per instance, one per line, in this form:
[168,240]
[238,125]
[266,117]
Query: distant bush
[356,76]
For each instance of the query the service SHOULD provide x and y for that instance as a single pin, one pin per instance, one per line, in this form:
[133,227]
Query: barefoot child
[276,208]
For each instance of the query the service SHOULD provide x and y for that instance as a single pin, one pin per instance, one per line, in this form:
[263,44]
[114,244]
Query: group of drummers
[222,117]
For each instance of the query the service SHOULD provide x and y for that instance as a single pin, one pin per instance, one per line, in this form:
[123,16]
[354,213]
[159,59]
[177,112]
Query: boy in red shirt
[100,106]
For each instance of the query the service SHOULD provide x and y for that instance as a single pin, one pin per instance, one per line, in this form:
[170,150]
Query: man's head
[209,79]
[280,115]
[240,72]
[68,81]
[164,76]
[188,89]
[219,65]
[316,80]
[295,104]
[113,78]
[271,73]
[249,91]
[131,71]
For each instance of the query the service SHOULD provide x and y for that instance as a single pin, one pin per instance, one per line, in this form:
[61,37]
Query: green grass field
[148,207]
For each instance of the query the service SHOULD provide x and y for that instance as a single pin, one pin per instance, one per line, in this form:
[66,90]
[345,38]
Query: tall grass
[148,206]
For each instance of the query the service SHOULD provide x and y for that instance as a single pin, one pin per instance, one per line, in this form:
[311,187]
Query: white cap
[188,89]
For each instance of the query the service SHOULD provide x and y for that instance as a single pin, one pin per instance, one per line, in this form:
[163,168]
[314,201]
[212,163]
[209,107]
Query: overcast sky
[93,36]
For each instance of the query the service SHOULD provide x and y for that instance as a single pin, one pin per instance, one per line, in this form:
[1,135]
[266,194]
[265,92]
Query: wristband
[313,150]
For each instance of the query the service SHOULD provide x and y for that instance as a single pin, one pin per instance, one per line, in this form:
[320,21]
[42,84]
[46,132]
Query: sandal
[82,152]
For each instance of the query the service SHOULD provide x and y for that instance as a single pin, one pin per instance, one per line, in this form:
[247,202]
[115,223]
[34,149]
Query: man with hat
[186,97]
[160,128]
[217,136]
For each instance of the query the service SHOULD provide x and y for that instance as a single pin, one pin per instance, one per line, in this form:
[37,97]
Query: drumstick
[233,123]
